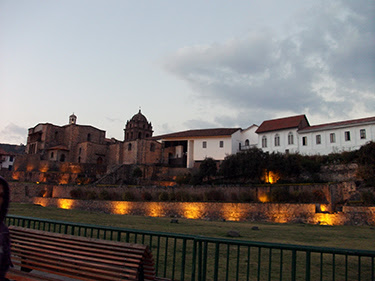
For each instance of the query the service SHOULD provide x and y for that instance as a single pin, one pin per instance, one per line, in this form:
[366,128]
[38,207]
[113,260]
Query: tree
[208,168]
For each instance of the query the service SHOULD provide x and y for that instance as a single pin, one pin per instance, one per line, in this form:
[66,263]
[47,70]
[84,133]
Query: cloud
[324,67]
[13,134]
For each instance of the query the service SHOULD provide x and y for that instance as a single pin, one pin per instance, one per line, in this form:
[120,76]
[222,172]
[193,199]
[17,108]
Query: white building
[284,135]
[295,135]
[6,160]
[196,145]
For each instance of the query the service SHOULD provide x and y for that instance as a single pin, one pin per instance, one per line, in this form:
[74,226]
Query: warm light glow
[233,212]
[263,198]
[271,177]
[324,208]
[192,210]
[44,168]
[65,203]
[154,209]
[166,183]
[326,219]
[29,168]
[280,218]
[120,208]
[16,176]
[40,201]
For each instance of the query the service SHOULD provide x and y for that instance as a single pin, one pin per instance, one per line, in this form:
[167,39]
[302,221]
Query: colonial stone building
[85,150]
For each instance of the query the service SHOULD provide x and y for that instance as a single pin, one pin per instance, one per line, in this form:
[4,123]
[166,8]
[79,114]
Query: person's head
[4,198]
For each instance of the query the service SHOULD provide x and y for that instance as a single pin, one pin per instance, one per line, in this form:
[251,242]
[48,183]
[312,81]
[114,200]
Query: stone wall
[266,212]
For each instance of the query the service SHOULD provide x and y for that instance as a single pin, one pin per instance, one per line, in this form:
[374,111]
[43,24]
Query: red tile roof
[338,124]
[283,123]
[3,152]
[199,133]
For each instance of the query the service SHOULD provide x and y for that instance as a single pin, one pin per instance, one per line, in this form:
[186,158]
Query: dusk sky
[187,64]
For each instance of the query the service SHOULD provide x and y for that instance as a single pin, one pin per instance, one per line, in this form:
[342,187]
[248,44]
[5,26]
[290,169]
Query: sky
[186,64]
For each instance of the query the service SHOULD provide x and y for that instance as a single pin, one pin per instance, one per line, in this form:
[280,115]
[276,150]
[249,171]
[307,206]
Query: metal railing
[189,257]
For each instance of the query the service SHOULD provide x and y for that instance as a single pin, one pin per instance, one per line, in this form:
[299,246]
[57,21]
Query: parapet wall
[267,212]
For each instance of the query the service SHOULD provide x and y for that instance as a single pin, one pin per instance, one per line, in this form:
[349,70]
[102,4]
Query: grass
[352,237]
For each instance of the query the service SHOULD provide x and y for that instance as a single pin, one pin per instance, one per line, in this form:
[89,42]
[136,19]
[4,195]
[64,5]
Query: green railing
[188,257]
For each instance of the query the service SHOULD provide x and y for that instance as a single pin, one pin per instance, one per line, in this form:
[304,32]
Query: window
[152,147]
[347,136]
[362,133]
[332,137]
[221,144]
[56,135]
[264,141]
[290,138]
[62,158]
[247,142]
[88,137]
[304,141]
[52,155]
[277,140]
[80,150]
[10,158]
[204,144]
[139,135]
[79,159]
[129,146]
[318,139]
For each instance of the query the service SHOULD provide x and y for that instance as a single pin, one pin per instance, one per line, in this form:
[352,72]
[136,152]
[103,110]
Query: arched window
[52,154]
[80,150]
[247,142]
[264,141]
[56,135]
[88,137]
[79,159]
[62,158]
[277,140]
[290,138]
[152,147]
[129,146]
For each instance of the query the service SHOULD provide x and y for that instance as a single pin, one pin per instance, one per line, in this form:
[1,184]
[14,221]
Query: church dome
[139,117]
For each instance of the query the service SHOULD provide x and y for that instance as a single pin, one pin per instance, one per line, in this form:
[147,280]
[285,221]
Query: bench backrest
[80,257]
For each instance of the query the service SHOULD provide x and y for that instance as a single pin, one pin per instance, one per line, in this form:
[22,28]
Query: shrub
[91,195]
[213,196]
[279,195]
[163,196]
[246,197]
[368,198]
[182,196]
[76,193]
[146,196]
[104,195]
[128,196]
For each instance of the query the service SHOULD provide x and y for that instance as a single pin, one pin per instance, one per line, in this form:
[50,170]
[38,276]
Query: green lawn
[353,237]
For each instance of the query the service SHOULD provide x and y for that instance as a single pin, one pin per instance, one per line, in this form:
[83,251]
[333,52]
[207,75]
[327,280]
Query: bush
[146,196]
[163,196]
[91,195]
[104,195]
[213,196]
[246,197]
[128,196]
[368,198]
[182,196]
[76,193]
[279,195]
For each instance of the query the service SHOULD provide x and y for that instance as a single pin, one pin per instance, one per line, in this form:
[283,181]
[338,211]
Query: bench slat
[80,257]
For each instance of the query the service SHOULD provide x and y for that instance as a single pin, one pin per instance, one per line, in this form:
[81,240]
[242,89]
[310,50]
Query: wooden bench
[76,257]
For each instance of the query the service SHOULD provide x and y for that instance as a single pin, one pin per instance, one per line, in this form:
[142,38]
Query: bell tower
[72,119]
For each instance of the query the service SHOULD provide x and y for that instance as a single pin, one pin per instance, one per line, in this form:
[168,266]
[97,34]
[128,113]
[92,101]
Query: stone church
[84,150]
